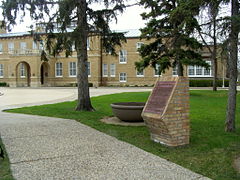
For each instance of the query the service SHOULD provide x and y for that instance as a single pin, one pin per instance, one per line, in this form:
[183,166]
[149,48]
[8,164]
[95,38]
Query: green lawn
[5,172]
[211,150]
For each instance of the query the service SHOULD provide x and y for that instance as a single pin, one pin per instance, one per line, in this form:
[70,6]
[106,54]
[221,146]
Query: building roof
[128,33]
[17,34]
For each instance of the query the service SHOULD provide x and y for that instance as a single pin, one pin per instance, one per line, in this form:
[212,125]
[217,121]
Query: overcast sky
[130,19]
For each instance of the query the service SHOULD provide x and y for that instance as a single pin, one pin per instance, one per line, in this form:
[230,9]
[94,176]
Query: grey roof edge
[128,33]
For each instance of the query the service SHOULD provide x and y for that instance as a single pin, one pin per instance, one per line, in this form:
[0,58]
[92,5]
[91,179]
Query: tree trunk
[214,54]
[83,103]
[231,106]
[179,68]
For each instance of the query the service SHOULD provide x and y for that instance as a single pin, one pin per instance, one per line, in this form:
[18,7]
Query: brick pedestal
[167,111]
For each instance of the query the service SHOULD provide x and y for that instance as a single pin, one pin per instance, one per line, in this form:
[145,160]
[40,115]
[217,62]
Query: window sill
[122,62]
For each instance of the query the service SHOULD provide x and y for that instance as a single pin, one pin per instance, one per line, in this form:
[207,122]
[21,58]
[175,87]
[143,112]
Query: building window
[112,70]
[23,47]
[59,69]
[34,45]
[139,45]
[1,48]
[105,70]
[22,70]
[199,71]
[89,69]
[123,77]
[11,48]
[191,70]
[122,56]
[157,72]
[1,70]
[72,69]
[174,71]
[140,73]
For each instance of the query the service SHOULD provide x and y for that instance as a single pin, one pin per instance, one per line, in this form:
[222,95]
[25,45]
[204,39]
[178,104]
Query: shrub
[206,83]
[3,84]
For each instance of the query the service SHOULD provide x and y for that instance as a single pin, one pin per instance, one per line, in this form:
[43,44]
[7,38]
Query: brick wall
[171,127]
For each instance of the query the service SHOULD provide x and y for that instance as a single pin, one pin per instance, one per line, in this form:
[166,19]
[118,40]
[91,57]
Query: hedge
[207,83]
[3,84]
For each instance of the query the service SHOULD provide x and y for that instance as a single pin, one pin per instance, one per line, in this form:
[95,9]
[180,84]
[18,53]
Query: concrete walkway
[52,148]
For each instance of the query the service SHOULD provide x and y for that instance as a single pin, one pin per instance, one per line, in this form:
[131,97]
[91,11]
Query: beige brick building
[20,64]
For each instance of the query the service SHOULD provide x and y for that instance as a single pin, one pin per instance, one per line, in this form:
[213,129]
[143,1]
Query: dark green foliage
[207,83]
[170,26]
[3,84]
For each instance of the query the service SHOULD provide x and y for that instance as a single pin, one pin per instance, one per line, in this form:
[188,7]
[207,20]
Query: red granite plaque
[159,97]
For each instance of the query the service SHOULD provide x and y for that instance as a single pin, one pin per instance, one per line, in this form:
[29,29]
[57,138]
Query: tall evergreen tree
[60,15]
[170,26]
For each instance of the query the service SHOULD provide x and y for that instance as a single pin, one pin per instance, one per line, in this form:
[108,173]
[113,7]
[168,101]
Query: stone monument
[166,112]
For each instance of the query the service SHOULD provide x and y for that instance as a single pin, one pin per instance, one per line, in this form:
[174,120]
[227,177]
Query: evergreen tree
[59,16]
[170,26]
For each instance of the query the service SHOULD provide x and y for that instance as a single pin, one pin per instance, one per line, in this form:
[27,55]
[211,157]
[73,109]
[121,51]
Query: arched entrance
[23,74]
[44,73]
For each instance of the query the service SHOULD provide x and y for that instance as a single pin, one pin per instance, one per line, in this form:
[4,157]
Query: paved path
[52,148]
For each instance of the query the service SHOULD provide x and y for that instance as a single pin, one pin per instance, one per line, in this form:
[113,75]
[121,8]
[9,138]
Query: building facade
[21,65]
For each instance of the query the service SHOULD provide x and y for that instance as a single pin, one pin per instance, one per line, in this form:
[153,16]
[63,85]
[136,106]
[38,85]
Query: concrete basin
[128,111]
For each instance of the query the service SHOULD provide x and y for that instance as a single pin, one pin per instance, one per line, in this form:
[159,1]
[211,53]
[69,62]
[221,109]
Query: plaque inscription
[159,97]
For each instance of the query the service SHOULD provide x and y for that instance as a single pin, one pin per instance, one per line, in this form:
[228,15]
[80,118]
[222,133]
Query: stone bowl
[128,111]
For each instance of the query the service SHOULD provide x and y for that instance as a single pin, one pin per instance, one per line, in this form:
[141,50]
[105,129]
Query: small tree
[170,25]
[60,15]
[209,30]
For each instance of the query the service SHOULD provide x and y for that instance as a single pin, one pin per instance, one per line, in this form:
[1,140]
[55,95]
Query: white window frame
[23,47]
[122,77]
[58,70]
[122,57]
[22,70]
[1,48]
[112,70]
[156,69]
[201,69]
[174,71]
[89,69]
[1,70]
[139,74]
[105,70]
[72,69]
[10,47]
[139,45]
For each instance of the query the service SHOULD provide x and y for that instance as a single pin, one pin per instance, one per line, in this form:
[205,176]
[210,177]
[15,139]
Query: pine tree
[170,26]
[60,15]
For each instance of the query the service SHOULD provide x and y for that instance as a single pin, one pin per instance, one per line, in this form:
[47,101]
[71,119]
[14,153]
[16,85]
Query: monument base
[167,111]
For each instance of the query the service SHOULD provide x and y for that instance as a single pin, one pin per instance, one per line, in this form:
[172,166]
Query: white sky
[130,19]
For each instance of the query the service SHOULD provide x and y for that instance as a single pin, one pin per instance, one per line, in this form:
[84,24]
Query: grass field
[211,150]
